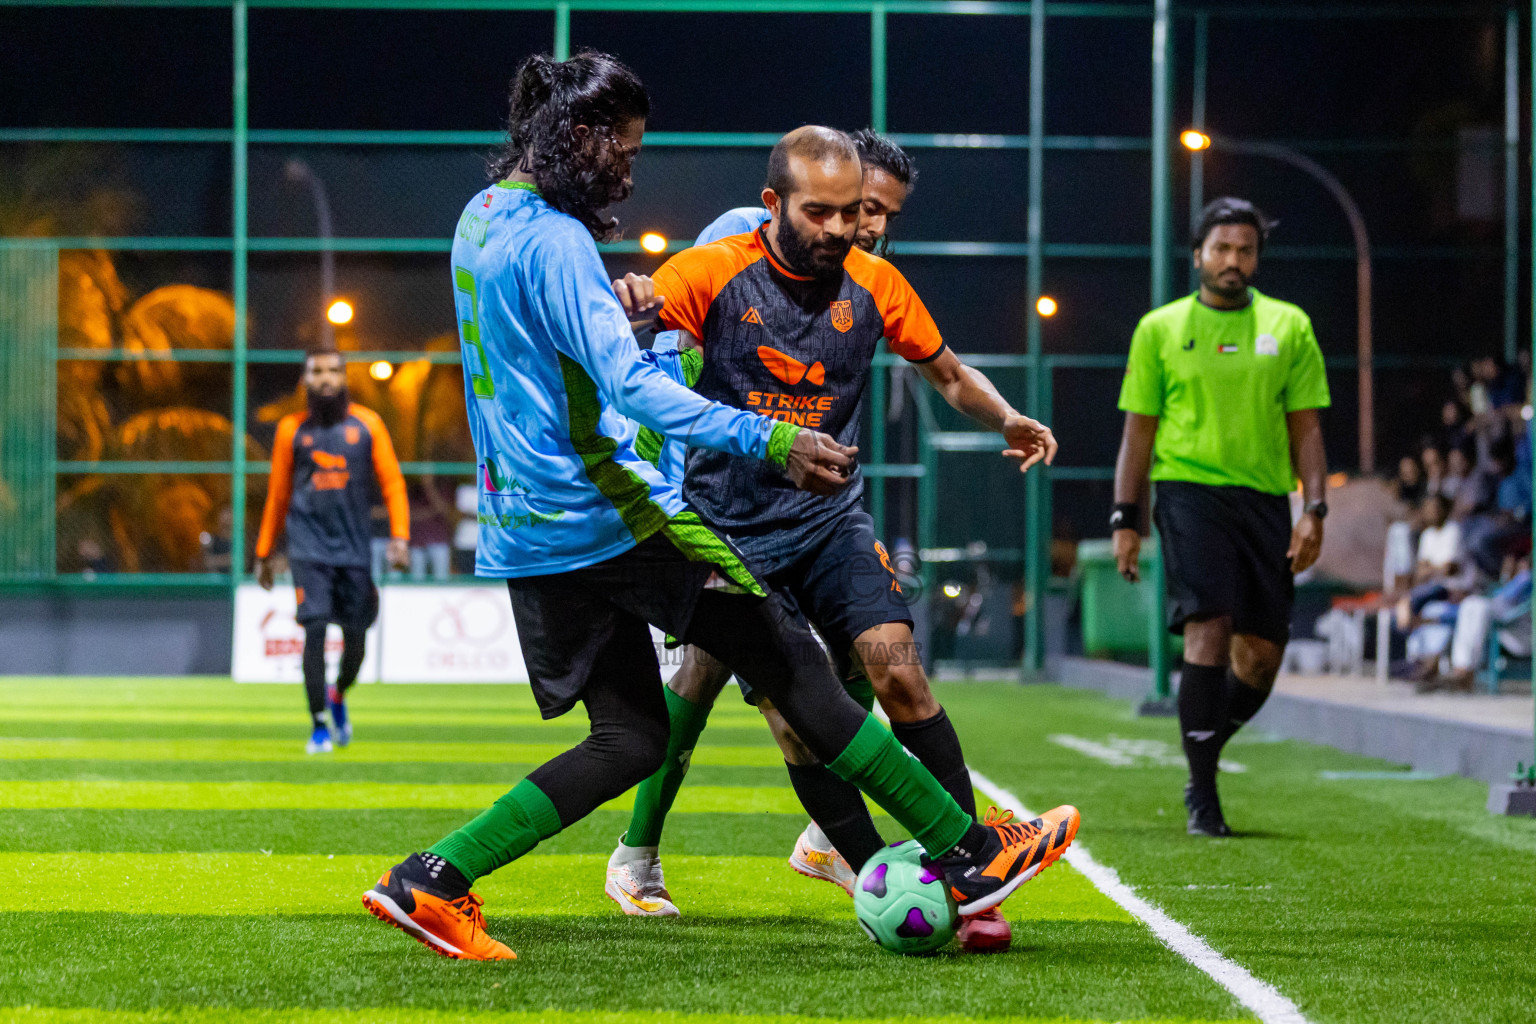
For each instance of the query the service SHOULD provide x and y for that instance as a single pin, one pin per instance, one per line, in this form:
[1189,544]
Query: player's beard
[328,410]
[822,262]
[1221,285]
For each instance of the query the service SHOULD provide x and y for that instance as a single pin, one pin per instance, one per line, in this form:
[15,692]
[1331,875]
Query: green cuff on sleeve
[780,441]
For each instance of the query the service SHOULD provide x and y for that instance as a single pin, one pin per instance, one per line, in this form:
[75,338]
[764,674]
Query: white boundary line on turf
[1260,996]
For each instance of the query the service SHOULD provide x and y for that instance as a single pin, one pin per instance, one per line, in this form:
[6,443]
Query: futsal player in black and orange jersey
[789,319]
[326,463]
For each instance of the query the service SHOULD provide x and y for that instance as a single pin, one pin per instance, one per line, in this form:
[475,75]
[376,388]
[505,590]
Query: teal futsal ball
[902,902]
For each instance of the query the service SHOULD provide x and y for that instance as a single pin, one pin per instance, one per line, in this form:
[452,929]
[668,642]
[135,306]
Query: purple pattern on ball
[927,876]
[875,883]
[915,926]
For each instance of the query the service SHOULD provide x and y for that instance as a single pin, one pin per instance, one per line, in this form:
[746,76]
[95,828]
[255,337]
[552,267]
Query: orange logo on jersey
[307,440]
[885,560]
[789,369]
[842,315]
[332,474]
[354,435]
[751,317]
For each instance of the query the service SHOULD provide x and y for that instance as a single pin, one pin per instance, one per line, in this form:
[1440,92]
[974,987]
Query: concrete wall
[71,634]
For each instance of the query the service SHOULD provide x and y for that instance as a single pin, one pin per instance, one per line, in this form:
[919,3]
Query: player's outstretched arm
[968,391]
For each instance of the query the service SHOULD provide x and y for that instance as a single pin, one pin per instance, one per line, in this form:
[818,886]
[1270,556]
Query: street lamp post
[1195,141]
[299,171]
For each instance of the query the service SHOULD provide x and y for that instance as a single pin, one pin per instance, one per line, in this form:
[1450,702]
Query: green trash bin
[1115,611]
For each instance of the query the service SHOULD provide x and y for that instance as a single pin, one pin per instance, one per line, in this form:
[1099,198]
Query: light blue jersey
[555,386]
[669,455]
[732,222]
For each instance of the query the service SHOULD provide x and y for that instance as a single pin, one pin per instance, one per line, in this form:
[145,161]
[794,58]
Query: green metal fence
[29,471]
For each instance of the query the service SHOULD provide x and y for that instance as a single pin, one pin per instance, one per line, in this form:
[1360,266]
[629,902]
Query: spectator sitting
[1433,462]
[1503,531]
[1440,566]
[1457,468]
[1409,485]
[1453,432]
[1475,618]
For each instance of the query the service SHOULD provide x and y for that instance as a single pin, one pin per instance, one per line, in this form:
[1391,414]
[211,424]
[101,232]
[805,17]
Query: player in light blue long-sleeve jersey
[596,545]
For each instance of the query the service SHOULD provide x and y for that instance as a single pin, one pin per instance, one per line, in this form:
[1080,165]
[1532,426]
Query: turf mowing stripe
[421,1015]
[324,769]
[764,756]
[1261,997]
[539,885]
[233,796]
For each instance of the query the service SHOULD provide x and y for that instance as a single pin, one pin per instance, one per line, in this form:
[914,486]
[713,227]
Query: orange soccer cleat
[412,897]
[1014,853]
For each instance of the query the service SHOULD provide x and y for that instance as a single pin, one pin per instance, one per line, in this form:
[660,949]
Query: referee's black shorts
[1224,554]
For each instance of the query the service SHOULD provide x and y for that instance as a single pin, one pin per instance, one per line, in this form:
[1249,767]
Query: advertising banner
[269,644]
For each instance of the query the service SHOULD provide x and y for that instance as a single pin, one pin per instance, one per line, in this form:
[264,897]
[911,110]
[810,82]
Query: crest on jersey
[354,435]
[842,315]
[488,196]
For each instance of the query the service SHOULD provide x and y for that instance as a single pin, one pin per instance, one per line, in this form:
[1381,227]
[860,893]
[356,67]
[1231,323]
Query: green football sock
[502,833]
[653,799]
[908,792]
[861,690]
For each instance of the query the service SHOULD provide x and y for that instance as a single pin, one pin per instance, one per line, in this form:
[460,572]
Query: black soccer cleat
[1205,817]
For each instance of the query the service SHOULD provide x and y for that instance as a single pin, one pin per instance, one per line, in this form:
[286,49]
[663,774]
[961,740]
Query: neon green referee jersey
[1221,382]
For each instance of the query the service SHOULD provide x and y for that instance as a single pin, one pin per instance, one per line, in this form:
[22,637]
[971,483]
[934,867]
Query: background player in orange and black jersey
[789,319]
[327,463]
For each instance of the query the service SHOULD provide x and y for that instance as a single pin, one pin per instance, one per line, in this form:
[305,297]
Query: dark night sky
[1416,80]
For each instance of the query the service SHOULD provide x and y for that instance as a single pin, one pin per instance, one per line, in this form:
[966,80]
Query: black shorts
[575,625]
[841,580]
[1224,554]
[343,594]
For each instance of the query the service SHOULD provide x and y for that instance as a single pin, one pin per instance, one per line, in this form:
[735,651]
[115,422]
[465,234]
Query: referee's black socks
[1203,721]
[1243,702]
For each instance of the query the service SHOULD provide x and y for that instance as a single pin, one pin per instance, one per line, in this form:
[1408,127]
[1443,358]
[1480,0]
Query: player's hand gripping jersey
[555,385]
[790,349]
[322,487]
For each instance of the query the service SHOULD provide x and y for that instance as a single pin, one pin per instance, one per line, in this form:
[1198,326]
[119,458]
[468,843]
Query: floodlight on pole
[1046,306]
[339,312]
[299,171]
[1191,139]
[653,242]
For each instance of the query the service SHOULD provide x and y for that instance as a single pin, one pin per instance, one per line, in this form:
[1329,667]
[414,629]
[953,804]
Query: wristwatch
[1318,508]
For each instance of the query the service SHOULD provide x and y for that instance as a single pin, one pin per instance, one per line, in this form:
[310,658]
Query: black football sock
[352,651]
[838,807]
[1243,702]
[934,743]
[1202,707]
[314,670]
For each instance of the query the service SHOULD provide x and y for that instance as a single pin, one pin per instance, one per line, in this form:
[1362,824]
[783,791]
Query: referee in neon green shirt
[1220,397]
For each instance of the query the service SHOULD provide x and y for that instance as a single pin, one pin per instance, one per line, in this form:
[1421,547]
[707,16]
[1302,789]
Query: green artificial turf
[168,853]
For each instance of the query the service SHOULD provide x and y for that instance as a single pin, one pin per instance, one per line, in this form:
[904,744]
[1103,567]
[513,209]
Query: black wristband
[1126,516]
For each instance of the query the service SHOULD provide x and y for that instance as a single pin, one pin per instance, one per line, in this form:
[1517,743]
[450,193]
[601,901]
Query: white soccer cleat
[635,882]
[816,857]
